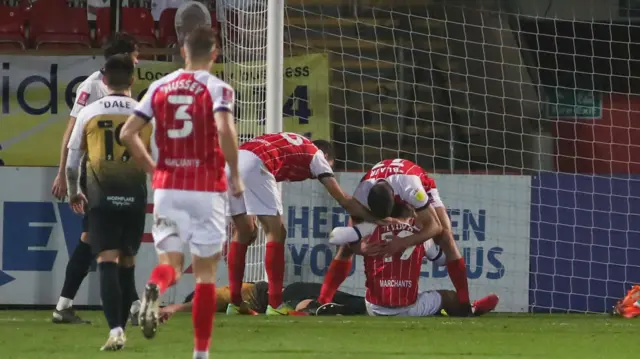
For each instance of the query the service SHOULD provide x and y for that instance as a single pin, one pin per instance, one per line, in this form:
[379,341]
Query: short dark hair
[325,146]
[118,72]
[381,200]
[402,211]
[201,42]
[120,43]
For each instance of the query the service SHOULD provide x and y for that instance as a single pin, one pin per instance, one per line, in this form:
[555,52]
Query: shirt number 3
[181,114]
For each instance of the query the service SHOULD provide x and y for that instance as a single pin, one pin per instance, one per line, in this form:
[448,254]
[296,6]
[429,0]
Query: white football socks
[64,303]
[135,306]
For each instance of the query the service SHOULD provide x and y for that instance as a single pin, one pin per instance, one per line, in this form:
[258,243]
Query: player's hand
[237,186]
[77,203]
[59,188]
[395,246]
[168,311]
[372,249]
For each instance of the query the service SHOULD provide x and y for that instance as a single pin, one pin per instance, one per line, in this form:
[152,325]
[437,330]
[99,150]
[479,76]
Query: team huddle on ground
[182,133]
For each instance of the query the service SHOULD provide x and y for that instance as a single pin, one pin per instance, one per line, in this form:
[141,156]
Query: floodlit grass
[30,335]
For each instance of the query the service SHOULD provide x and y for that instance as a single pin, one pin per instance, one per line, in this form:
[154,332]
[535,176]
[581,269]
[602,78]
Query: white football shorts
[427,304]
[261,193]
[189,217]
[435,199]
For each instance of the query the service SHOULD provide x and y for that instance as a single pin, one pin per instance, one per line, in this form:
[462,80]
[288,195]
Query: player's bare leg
[455,262]
[111,295]
[336,274]
[163,276]
[246,231]
[204,303]
[274,263]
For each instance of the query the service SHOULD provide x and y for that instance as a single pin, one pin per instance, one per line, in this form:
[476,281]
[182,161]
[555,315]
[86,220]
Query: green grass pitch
[30,335]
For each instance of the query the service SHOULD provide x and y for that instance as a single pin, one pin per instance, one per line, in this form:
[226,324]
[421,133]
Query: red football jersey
[189,156]
[392,281]
[289,156]
[411,184]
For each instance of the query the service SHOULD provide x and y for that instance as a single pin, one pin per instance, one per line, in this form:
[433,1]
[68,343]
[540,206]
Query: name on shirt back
[188,85]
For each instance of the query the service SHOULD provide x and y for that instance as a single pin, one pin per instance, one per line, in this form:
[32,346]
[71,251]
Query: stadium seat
[139,23]
[103,25]
[166,28]
[12,29]
[69,29]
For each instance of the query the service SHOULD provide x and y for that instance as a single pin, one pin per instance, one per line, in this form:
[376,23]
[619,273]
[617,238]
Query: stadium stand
[69,29]
[166,29]
[12,29]
[139,23]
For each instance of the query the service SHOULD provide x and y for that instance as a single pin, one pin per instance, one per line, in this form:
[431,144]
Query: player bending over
[402,181]
[116,191]
[90,90]
[265,161]
[195,134]
[392,279]
[257,298]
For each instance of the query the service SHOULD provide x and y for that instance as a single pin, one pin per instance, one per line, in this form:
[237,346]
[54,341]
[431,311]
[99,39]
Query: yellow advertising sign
[37,94]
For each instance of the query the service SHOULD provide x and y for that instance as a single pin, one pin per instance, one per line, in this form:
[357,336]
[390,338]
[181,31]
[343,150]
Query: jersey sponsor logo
[227,95]
[83,97]
[182,162]
[420,195]
[396,283]
[121,201]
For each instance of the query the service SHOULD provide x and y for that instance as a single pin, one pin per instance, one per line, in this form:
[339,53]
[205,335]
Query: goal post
[519,109]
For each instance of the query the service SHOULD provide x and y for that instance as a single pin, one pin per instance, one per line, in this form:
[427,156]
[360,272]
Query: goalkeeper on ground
[255,297]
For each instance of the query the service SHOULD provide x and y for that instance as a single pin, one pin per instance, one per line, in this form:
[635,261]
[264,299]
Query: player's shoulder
[210,80]
[107,105]
[92,88]
[216,86]
[88,112]
[93,78]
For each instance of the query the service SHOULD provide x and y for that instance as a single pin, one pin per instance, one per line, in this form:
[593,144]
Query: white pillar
[275,63]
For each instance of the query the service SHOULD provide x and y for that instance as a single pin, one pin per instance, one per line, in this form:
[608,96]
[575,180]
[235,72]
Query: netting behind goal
[506,103]
[243,25]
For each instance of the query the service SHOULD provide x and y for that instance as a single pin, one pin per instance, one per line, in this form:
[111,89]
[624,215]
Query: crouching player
[392,277]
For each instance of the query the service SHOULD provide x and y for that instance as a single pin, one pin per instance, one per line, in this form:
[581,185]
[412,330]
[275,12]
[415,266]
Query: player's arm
[426,217]
[228,139]
[81,101]
[227,134]
[129,135]
[75,151]
[356,238]
[350,204]
[64,149]
[321,169]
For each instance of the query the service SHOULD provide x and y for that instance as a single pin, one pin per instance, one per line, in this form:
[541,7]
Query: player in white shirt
[89,91]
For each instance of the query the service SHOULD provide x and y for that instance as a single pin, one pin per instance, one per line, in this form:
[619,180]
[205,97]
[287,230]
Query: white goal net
[523,110]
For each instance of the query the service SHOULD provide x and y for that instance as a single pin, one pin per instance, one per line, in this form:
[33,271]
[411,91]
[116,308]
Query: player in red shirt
[265,161]
[392,278]
[402,181]
[195,134]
